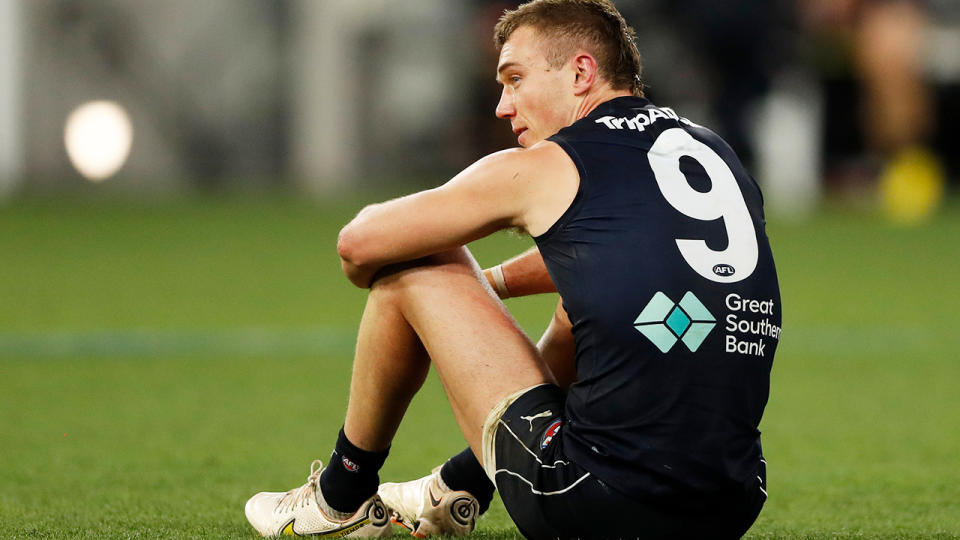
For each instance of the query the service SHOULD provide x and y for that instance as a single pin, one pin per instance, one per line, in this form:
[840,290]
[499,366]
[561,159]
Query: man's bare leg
[478,350]
[462,472]
[390,365]
[437,310]
[898,108]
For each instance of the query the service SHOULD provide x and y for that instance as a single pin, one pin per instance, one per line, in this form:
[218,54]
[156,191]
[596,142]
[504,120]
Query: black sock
[352,476]
[463,472]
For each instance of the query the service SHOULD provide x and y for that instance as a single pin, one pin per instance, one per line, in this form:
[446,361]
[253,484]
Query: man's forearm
[522,275]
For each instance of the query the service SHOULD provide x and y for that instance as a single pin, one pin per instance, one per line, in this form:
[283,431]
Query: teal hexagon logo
[664,322]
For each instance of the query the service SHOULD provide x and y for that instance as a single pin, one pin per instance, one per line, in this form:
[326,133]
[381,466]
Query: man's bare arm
[500,191]
[471,205]
[558,348]
[522,275]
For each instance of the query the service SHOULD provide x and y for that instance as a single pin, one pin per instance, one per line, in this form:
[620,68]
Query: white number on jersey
[724,199]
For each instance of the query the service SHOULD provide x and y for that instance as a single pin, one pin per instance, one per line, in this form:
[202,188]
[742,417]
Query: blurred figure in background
[798,87]
[879,43]
[738,47]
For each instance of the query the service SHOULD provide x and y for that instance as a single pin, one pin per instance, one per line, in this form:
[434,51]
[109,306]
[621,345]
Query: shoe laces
[305,494]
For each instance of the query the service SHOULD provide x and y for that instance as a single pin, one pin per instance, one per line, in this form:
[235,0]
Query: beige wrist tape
[499,283]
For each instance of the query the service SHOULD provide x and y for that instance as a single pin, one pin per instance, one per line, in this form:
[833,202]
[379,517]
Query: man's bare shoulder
[543,154]
[519,167]
[545,179]
[520,187]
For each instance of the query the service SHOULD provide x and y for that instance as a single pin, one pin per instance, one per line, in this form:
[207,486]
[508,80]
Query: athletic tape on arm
[499,283]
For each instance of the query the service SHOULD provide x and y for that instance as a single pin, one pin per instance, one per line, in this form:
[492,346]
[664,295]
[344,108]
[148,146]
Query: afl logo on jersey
[550,433]
[723,270]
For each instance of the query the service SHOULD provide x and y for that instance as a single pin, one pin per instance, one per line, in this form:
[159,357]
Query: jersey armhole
[577,199]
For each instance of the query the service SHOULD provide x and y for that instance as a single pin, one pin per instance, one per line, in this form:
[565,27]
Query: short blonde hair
[592,25]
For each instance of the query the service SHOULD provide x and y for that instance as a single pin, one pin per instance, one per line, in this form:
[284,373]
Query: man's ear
[585,72]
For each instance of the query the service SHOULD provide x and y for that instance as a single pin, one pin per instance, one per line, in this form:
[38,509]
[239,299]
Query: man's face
[537,99]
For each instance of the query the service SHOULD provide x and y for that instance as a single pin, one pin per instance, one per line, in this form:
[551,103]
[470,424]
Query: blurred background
[175,329]
[850,99]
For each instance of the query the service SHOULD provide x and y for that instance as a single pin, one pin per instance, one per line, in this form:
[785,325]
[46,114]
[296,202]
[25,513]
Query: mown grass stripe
[259,341]
[171,342]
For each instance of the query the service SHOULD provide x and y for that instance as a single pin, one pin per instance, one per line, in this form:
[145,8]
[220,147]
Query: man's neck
[592,100]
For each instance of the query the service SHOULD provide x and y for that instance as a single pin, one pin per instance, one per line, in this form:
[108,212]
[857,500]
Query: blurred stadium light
[203,83]
[98,136]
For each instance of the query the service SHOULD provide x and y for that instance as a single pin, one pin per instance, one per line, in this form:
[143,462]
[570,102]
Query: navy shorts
[549,496]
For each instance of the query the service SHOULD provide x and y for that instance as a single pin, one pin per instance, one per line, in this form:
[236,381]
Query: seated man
[653,235]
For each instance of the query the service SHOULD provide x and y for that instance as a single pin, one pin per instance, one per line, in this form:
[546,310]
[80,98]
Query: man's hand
[360,276]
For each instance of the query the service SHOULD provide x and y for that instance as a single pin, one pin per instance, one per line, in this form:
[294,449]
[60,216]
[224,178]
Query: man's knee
[433,270]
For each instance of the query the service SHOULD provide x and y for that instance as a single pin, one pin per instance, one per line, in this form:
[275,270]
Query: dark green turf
[160,363]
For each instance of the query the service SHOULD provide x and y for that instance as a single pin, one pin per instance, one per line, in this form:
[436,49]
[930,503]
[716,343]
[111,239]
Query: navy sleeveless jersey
[666,272]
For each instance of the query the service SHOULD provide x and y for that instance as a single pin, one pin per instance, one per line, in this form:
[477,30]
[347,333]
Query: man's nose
[505,108]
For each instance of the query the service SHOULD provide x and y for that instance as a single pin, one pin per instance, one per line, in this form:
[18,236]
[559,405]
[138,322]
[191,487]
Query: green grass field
[160,363]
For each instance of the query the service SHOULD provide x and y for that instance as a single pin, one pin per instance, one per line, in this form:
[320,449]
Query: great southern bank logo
[664,322]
